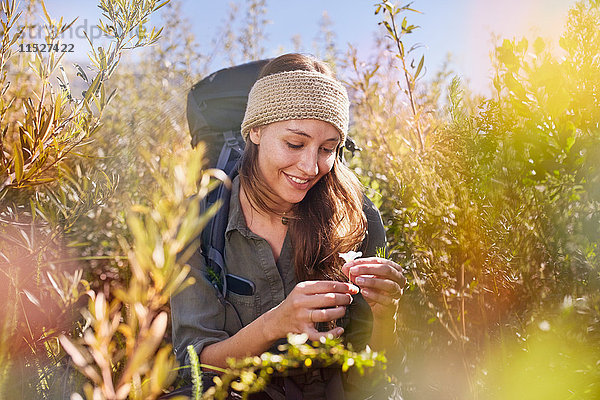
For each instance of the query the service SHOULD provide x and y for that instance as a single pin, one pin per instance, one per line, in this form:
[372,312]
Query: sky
[461,28]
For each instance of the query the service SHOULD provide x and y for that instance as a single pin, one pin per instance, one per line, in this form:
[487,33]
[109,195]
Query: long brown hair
[329,220]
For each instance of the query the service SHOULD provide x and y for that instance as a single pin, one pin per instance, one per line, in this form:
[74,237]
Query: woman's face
[293,155]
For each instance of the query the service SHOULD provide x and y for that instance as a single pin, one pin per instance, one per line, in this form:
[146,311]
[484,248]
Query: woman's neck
[269,226]
[254,215]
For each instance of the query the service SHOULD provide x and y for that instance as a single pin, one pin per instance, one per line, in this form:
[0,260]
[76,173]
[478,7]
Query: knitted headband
[297,95]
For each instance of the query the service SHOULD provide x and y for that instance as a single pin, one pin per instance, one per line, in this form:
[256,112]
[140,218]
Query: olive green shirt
[200,319]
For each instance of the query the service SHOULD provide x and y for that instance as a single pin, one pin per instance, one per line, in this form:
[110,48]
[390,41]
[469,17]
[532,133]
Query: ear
[255,134]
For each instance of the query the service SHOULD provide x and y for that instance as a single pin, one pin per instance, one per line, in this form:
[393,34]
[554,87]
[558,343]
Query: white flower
[544,326]
[351,255]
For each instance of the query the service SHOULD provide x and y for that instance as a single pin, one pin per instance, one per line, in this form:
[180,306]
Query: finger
[315,336]
[327,300]
[314,287]
[373,261]
[378,297]
[383,285]
[326,314]
[387,270]
[368,260]
[381,270]
[346,269]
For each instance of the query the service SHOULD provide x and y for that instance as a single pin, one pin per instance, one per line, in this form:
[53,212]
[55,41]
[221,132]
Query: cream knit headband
[297,95]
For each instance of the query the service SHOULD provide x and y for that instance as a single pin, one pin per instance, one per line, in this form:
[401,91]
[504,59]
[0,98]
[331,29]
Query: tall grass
[491,205]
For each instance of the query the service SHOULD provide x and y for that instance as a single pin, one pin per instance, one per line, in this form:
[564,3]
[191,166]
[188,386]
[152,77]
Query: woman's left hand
[381,283]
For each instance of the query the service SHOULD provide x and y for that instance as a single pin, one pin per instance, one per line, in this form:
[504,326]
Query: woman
[294,208]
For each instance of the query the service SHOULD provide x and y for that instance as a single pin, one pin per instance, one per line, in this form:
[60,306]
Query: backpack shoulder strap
[213,245]
[213,236]
[230,152]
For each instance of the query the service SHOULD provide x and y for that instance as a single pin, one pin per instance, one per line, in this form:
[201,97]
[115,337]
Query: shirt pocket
[246,307]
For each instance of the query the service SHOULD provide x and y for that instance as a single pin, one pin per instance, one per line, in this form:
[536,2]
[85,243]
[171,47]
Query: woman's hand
[381,283]
[308,303]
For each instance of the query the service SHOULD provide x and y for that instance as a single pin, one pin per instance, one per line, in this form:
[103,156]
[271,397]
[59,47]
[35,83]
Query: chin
[293,198]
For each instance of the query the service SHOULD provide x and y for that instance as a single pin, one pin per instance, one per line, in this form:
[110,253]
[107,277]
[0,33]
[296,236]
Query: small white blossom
[544,326]
[351,255]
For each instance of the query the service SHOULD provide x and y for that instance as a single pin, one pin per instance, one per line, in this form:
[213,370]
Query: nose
[309,162]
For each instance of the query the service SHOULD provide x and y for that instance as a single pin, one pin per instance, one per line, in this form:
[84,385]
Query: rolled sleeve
[198,318]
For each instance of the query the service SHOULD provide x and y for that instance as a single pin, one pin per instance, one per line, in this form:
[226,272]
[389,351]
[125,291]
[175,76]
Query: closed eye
[299,146]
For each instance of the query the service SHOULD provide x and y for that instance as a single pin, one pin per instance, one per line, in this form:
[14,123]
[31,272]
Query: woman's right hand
[308,303]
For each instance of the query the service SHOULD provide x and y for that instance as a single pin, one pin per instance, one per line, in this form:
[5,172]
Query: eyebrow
[302,133]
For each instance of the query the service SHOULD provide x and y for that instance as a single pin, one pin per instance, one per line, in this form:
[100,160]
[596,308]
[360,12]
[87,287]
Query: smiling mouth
[298,180]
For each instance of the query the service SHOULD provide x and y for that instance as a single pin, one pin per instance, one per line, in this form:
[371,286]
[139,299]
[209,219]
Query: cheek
[264,162]
[327,164]
[272,158]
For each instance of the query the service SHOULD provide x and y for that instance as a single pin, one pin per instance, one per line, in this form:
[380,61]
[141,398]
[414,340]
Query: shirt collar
[236,220]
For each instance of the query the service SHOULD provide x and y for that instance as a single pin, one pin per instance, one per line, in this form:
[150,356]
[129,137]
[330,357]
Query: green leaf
[81,73]
[74,351]
[32,298]
[162,373]
[93,87]
[110,96]
[419,67]
[18,161]
[103,65]
[146,347]
[158,7]
[180,282]
[570,142]
[58,290]
[388,6]
[389,28]
[66,27]
[48,19]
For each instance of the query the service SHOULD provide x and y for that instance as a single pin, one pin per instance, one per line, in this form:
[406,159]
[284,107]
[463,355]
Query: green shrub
[495,212]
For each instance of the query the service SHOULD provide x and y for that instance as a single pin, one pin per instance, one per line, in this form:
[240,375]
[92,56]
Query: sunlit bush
[494,213]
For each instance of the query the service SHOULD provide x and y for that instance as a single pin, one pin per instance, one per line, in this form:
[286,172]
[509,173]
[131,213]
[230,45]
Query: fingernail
[360,280]
[365,292]
[340,331]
